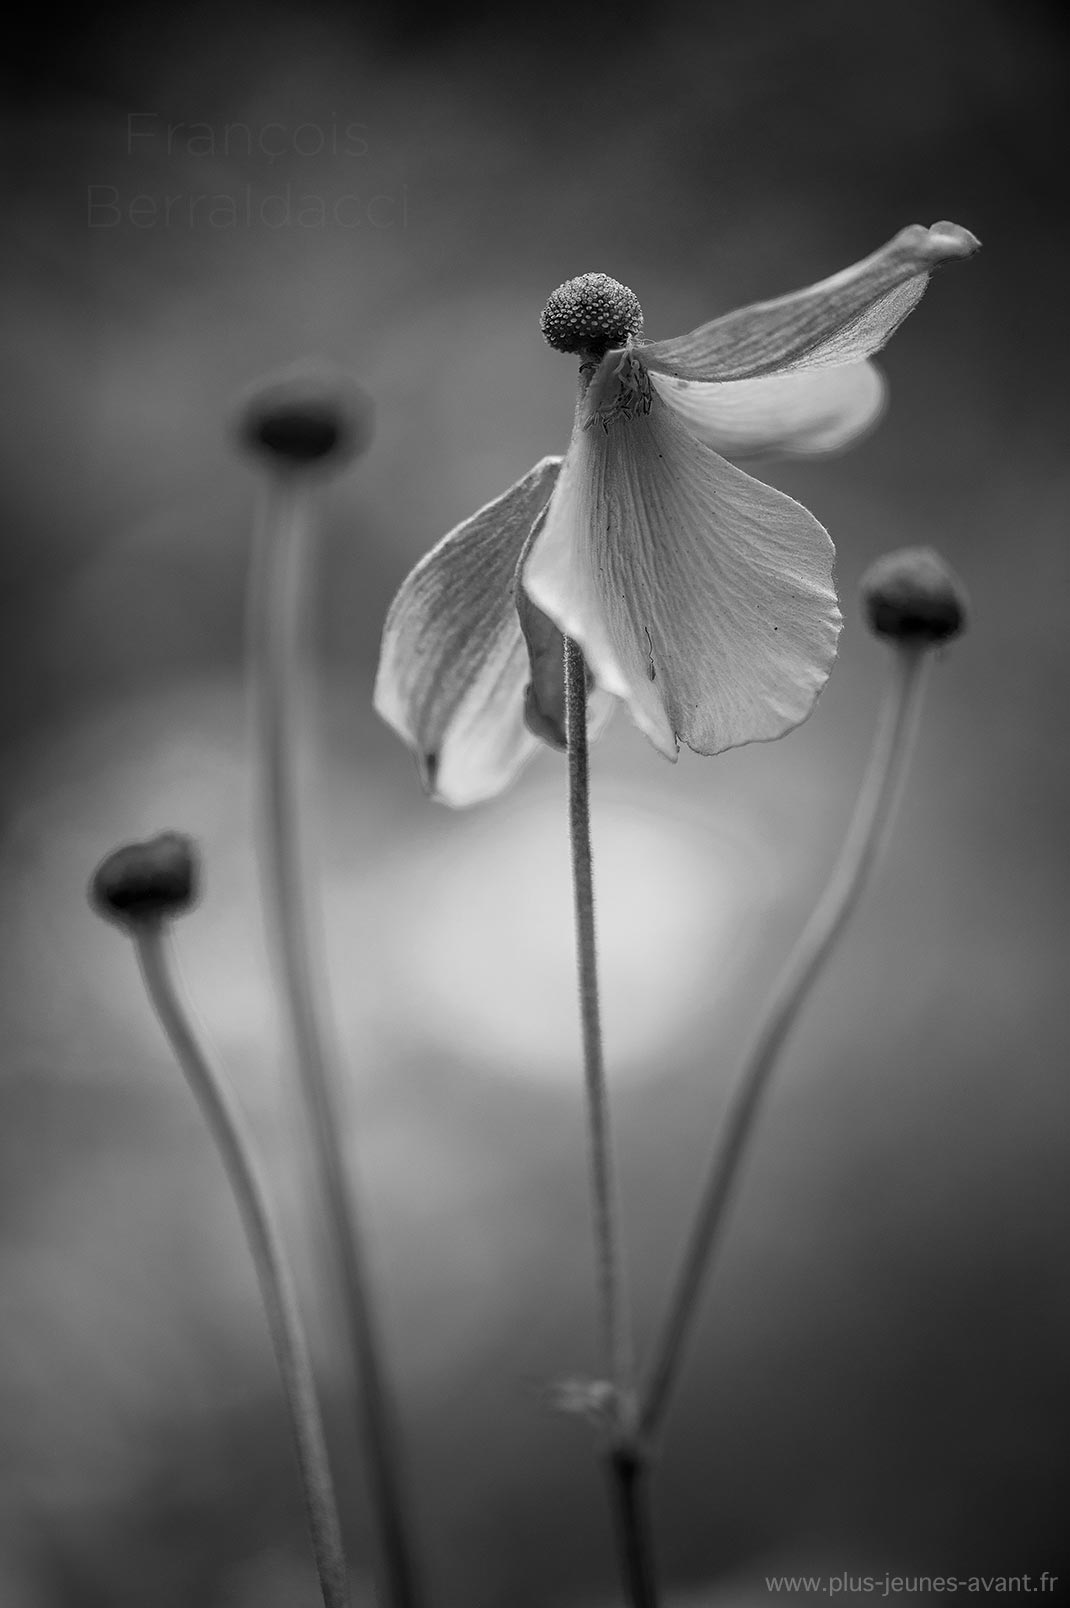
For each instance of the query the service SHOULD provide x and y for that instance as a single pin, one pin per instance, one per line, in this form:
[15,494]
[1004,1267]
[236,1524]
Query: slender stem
[605,1207]
[627,1460]
[629,1473]
[278,609]
[265,1243]
[866,837]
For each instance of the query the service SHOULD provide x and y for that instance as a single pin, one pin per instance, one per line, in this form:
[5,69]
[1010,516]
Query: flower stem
[265,1243]
[626,1466]
[629,1474]
[866,837]
[278,610]
[605,1207]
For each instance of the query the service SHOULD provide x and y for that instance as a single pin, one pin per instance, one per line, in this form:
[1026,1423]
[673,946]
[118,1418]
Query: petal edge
[453,663]
[808,412]
[842,319]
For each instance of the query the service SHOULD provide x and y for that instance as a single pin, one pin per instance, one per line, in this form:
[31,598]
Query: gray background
[880,1378]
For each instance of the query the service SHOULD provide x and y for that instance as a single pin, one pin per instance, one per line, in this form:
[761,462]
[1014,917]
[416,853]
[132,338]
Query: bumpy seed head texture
[590,314]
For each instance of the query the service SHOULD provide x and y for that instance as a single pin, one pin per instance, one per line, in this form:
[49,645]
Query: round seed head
[305,416]
[912,596]
[590,314]
[146,882]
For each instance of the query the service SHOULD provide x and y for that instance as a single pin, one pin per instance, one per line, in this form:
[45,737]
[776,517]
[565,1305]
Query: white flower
[701,598]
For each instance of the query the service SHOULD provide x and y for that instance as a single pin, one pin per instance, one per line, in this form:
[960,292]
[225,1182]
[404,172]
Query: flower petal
[839,320]
[544,696]
[454,664]
[701,597]
[806,411]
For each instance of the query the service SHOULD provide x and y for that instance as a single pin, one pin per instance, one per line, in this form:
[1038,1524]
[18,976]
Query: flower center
[590,314]
[619,389]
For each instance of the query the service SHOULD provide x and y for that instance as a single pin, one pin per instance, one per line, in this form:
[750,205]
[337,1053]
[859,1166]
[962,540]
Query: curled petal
[700,596]
[839,320]
[454,664]
[544,696]
[806,411]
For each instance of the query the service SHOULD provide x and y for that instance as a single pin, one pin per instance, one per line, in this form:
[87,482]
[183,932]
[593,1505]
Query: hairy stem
[866,837]
[228,1129]
[605,1206]
[278,613]
[627,1463]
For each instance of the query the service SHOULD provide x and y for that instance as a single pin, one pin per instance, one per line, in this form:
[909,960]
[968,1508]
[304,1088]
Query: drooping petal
[454,664]
[806,411]
[840,320]
[700,596]
[544,696]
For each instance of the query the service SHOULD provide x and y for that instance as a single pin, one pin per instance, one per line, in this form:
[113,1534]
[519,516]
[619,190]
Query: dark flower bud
[590,314]
[912,596]
[146,882]
[307,415]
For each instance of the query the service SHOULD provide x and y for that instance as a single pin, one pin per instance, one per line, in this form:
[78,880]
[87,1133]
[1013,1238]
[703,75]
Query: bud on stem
[305,418]
[145,883]
[912,597]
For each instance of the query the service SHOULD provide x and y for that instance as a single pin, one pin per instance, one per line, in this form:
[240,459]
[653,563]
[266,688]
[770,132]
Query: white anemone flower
[701,598]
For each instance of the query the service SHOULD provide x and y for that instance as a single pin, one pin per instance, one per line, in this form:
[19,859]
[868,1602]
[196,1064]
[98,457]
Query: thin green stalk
[265,1244]
[866,837]
[626,1465]
[279,607]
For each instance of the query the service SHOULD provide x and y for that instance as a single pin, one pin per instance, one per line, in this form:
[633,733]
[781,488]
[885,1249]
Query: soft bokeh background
[880,1381]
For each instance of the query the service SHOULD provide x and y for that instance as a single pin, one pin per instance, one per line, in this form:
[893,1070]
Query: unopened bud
[914,597]
[591,314]
[305,416]
[146,882]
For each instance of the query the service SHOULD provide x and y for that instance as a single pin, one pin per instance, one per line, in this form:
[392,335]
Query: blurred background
[198,195]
